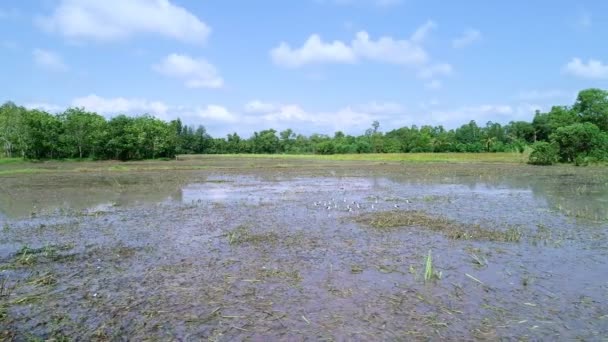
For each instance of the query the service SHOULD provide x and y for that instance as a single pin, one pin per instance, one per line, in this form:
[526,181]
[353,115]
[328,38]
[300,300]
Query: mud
[264,252]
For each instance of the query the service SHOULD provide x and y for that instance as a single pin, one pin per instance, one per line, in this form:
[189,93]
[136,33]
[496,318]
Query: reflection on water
[566,195]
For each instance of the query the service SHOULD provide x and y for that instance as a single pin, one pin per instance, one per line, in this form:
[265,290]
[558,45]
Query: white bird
[396,206]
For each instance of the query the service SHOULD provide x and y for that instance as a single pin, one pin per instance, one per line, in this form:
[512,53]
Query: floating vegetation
[5,291]
[479,261]
[43,280]
[390,220]
[28,257]
[356,269]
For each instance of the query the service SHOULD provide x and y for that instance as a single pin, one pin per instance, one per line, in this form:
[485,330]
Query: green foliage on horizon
[575,134]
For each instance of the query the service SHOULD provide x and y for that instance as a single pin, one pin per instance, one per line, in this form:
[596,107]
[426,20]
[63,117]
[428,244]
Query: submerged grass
[243,235]
[391,220]
[28,257]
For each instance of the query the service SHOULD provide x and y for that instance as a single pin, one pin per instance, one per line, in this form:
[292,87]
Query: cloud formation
[49,60]
[594,69]
[195,72]
[384,49]
[468,37]
[109,20]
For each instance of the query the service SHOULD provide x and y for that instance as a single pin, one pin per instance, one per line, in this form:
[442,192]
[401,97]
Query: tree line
[577,133]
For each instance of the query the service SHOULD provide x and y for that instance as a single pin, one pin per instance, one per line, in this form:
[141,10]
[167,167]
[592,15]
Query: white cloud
[257,106]
[542,95]
[349,118]
[121,105]
[195,72]
[584,20]
[388,50]
[257,115]
[314,50]
[207,115]
[108,20]
[469,37]
[215,113]
[501,113]
[362,47]
[49,60]
[289,113]
[47,107]
[423,31]
[481,114]
[380,108]
[441,69]
[433,85]
[593,69]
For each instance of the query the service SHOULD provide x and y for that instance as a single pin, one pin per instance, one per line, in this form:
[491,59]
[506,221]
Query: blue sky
[310,65]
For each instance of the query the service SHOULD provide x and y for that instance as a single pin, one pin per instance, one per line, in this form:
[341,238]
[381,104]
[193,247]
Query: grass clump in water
[390,220]
[28,257]
[243,235]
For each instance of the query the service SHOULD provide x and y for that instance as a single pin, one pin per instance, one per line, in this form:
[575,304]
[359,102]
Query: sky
[316,66]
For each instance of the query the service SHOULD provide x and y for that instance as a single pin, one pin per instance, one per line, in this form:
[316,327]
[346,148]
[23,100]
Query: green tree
[580,139]
[83,132]
[592,106]
[265,141]
[287,138]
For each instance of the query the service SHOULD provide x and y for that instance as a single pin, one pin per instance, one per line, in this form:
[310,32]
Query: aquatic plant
[429,270]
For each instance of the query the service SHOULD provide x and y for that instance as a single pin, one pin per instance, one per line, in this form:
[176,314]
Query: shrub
[578,140]
[543,153]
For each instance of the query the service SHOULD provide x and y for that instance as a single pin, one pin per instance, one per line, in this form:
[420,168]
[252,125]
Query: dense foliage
[569,134]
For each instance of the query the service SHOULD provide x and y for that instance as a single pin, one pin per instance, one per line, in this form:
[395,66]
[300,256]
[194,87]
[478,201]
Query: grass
[28,257]
[503,157]
[5,290]
[391,220]
[4,161]
[430,273]
[243,235]
[205,161]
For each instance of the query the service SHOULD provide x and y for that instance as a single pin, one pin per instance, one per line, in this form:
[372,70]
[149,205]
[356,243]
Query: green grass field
[15,166]
[506,157]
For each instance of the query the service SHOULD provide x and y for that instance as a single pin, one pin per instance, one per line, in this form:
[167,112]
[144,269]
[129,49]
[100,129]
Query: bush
[578,140]
[326,147]
[543,153]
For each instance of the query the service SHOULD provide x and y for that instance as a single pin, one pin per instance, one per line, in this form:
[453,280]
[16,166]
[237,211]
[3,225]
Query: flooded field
[231,249]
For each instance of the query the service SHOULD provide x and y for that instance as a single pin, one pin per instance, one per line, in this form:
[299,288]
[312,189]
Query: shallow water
[276,254]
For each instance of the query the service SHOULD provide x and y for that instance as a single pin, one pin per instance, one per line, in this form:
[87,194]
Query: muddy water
[279,255]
